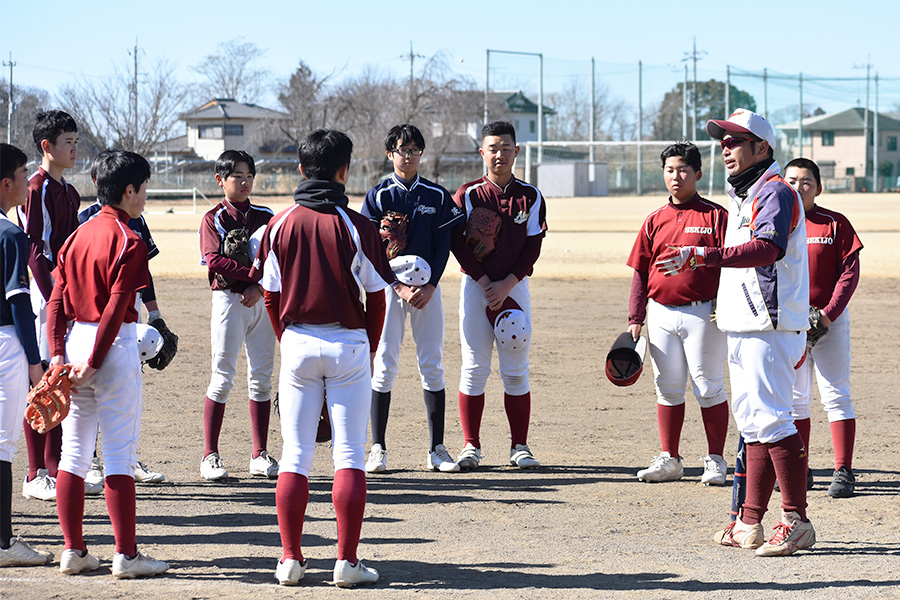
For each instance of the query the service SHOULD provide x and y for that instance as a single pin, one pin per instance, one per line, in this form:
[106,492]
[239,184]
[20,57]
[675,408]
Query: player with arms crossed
[763,306]
[100,269]
[833,275]
[20,360]
[50,216]
[427,214]
[237,315]
[684,340]
[316,260]
[497,248]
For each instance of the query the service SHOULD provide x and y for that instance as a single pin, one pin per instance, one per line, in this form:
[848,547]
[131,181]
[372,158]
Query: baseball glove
[816,328]
[481,231]
[169,348]
[49,400]
[393,232]
[235,246]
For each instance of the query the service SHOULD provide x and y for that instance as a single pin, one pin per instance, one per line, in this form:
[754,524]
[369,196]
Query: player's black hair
[323,153]
[686,150]
[117,169]
[805,163]
[405,134]
[97,160]
[498,128]
[51,124]
[230,158]
[11,160]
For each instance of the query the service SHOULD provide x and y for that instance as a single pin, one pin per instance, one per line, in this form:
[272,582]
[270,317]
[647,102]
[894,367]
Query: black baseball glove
[816,328]
[170,345]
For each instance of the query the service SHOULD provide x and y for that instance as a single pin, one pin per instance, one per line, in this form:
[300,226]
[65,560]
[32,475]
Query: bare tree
[612,116]
[303,99]
[105,109]
[232,72]
[28,102]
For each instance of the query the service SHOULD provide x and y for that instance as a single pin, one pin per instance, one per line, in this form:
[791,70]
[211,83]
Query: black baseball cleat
[843,484]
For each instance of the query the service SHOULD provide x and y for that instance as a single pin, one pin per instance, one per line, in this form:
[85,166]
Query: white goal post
[193,192]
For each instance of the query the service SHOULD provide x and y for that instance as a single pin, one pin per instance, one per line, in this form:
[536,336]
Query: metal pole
[540,108]
[593,110]
[712,168]
[684,113]
[800,122]
[694,93]
[135,143]
[527,162]
[766,93]
[727,91]
[487,74]
[875,173]
[640,125]
[866,127]
[9,118]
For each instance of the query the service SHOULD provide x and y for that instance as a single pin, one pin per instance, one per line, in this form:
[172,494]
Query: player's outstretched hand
[680,258]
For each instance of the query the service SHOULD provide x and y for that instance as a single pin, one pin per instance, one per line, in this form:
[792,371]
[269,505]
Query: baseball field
[581,526]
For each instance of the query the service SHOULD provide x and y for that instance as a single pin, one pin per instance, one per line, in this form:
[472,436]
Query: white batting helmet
[511,327]
[150,342]
[255,241]
[411,269]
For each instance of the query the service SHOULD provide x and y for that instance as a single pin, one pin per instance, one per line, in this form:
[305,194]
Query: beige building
[225,123]
[835,141]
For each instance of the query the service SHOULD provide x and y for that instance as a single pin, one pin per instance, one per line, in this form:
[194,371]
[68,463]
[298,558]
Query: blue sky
[820,39]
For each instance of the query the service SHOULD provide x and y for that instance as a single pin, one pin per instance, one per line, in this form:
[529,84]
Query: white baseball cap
[742,121]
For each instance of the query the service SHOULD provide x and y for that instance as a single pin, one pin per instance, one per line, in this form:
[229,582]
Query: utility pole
[694,56]
[640,131]
[684,118]
[412,56]
[800,122]
[868,67]
[727,91]
[875,186]
[9,119]
[134,98]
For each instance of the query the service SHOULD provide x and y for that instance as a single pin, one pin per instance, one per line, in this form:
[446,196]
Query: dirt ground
[581,526]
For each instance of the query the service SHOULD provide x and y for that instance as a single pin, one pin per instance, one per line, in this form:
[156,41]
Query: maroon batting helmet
[625,360]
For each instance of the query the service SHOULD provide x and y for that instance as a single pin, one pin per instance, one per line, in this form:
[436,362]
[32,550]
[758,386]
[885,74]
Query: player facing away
[684,340]
[833,275]
[316,259]
[763,307]
[20,360]
[50,216]
[497,280]
[430,214]
[99,271]
[238,317]
[93,481]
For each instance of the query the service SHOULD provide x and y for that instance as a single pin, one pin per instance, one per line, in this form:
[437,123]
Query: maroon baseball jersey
[830,239]
[215,226]
[321,261]
[523,214]
[50,217]
[103,258]
[698,222]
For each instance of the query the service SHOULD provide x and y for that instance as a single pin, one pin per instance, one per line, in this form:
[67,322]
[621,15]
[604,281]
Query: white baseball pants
[14,383]
[830,359]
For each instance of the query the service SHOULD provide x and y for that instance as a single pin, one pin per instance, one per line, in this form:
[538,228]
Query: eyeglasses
[408,152]
[734,142]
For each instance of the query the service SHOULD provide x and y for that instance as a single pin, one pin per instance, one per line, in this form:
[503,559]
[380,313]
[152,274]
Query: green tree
[710,103]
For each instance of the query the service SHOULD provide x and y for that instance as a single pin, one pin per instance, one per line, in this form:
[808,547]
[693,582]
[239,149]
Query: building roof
[228,108]
[848,120]
[516,102]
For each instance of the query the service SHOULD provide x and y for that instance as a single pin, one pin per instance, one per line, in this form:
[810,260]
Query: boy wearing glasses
[684,340]
[763,306]
[429,214]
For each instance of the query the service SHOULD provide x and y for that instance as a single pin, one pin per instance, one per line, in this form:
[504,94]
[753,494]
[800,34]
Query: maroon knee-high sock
[35,443]
[121,505]
[259,424]
[843,436]
[470,410]
[760,483]
[213,415]
[803,426]
[349,497]
[53,451]
[291,499]
[791,461]
[715,423]
[670,419]
[70,508]
[518,413]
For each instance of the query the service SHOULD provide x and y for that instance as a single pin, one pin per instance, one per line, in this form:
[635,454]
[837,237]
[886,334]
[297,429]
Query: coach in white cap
[763,302]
